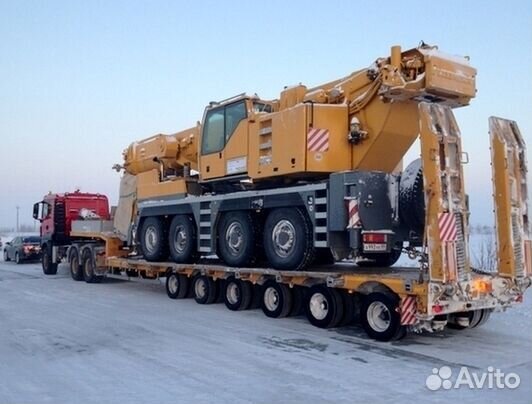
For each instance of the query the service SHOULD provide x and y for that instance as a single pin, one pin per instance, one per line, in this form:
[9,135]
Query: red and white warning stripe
[354,216]
[447,226]
[318,139]
[408,310]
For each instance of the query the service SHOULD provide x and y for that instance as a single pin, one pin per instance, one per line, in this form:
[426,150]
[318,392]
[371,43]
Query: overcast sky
[80,80]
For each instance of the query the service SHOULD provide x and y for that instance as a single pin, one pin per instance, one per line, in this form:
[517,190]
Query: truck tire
[75,264]
[237,294]
[177,286]
[276,299]
[379,317]
[89,267]
[6,255]
[205,289]
[288,239]
[153,239]
[237,239]
[182,240]
[48,267]
[324,307]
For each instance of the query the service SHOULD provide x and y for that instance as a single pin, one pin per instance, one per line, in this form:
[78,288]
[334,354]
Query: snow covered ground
[124,341]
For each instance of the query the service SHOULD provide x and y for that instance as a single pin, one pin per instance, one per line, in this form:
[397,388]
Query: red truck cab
[56,213]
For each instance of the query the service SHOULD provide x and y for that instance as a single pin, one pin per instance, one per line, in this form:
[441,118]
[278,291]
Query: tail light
[380,238]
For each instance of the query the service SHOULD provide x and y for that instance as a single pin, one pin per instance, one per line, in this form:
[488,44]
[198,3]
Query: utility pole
[18,208]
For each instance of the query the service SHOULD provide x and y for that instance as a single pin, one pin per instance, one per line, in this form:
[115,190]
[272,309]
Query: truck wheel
[48,267]
[75,267]
[237,294]
[17,258]
[237,239]
[288,239]
[380,318]
[205,289]
[182,240]
[276,299]
[89,267]
[153,239]
[324,306]
[6,255]
[176,285]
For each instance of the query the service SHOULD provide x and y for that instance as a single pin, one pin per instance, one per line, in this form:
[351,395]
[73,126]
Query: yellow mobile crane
[275,188]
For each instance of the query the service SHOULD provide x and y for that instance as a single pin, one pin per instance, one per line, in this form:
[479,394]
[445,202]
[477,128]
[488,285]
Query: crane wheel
[89,267]
[177,285]
[380,318]
[74,261]
[205,289]
[182,239]
[412,198]
[324,306]
[288,239]
[237,239]
[276,299]
[153,239]
[48,267]
[237,294]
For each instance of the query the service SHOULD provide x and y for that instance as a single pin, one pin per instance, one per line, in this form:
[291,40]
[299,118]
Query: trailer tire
[288,239]
[89,267]
[379,317]
[177,285]
[324,306]
[205,289]
[153,239]
[182,240]
[237,239]
[256,299]
[276,299]
[48,267]
[348,302]
[237,294]
[75,264]
[298,301]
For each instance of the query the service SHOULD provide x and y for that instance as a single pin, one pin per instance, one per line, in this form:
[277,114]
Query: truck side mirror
[36,210]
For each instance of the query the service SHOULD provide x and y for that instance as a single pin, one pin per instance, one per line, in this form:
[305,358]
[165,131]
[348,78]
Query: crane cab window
[220,124]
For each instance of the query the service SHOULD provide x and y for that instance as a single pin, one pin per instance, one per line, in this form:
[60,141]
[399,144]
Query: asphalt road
[124,341]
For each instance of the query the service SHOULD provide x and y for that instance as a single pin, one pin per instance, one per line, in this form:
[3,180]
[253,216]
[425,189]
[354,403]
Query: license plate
[375,247]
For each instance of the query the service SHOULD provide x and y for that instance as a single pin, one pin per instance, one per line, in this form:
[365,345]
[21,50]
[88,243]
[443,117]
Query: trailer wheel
[153,239]
[205,289]
[89,267]
[288,239]
[237,239]
[256,300]
[276,299]
[324,306]
[182,240]
[177,285]
[48,267]
[298,301]
[75,265]
[348,302]
[380,318]
[237,294]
